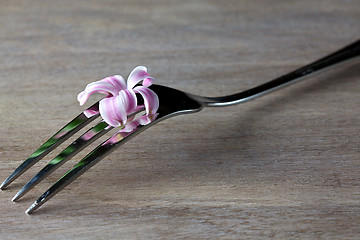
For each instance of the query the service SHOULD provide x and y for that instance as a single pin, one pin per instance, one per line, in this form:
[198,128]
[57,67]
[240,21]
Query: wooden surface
[284,166]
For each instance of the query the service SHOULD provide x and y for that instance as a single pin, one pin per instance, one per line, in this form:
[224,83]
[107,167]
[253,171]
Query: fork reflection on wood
[173,102]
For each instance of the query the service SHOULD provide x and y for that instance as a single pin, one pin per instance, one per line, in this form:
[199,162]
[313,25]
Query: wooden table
[284,166]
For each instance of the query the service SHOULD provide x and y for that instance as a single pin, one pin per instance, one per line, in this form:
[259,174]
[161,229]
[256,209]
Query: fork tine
[86,163]
[67,131]
[83,141]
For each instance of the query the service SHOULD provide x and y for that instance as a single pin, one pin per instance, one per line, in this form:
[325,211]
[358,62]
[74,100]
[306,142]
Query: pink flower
[121,99]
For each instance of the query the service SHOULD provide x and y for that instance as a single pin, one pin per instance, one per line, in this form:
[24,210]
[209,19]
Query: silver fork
[172,103]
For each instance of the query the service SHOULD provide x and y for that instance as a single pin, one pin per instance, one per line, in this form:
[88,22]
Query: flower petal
[137,75]
[113,111]
[89,113]
[146,119]
[110,86]
[129,100]
[151,99]
[147,82]
[129,127]
[99,86]
[117,81]
[142,120]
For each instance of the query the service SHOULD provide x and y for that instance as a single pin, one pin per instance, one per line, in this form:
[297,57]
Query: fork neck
[347,53]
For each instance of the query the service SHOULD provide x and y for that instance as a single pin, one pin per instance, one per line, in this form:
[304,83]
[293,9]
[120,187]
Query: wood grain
[285,166]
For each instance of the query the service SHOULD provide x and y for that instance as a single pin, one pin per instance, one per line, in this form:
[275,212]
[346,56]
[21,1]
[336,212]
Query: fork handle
[347,53]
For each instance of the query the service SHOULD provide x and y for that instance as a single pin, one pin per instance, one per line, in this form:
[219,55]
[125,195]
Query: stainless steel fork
[172,103]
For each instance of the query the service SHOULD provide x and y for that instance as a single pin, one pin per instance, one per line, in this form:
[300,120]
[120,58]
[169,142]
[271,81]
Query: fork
[173,102]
